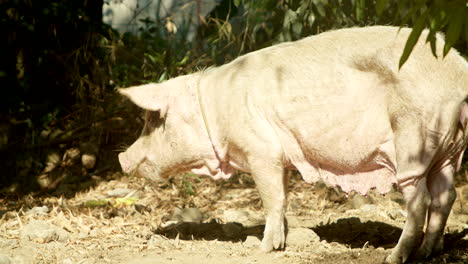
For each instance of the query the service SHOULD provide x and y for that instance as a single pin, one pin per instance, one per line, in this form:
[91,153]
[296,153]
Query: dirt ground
[123,219]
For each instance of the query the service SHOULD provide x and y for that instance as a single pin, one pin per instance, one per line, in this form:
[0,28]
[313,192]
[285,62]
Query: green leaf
[466,25]
[125,201]
[184,60]
[311,20]
[432,39]
[96,203]
[454,28]
[413,38]
[189,187]
[297,28]
[163,77]
[320,8]
[380,6]
[360,5]
[289,17]
[237,3]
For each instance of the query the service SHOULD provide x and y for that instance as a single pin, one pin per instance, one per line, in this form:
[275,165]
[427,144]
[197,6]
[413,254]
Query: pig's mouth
[148,170]
[144,167]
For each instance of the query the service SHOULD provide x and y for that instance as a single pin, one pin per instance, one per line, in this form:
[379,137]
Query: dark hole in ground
[351,231]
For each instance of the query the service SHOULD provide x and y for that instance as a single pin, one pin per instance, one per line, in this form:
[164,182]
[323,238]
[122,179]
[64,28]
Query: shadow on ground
[349,231]
[234,232]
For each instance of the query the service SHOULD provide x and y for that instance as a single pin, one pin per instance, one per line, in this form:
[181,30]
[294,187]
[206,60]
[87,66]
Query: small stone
[252,241]
[236,216]
[293,221]
[301,237]
[67,261]
[187,215]
[119,192]
[4,259]
[242,217]
[88,161]
[359,201]
[83,235]
[392,214]
[7,242]
[44,181]
[369,208]
[55,134]
[403,213]
[38,210]
[396,197]
[72,154]
[53,160]
[44,134]
[43,232]
[156,240]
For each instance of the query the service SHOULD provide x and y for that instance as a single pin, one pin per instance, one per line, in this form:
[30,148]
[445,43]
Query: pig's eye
[153,120]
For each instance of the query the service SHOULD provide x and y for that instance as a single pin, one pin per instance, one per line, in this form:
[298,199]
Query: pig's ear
[148,96]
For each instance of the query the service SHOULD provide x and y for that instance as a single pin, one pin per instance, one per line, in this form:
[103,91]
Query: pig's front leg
[271,182]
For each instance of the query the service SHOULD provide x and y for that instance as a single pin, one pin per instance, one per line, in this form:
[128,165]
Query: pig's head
[174,138]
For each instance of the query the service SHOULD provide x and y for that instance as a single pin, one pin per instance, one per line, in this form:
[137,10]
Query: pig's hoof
[266,246]
[422,253]
[273,240]
[393,259]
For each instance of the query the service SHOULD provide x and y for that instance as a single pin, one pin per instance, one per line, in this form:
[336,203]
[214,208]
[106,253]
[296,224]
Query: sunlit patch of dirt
[125,220]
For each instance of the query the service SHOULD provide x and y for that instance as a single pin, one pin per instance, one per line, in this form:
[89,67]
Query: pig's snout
[125,163]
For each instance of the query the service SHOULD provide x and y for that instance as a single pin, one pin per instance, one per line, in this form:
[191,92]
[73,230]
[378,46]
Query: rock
[44,181]
[89,152]
[293,221]
[88,161]
[359,201]
[301,237]
[156,240]
[83,234]
[335,195]
[43,232]
[187,215]
[119,192]
[252,241]
[4,259]
[7,242]
[55,134]
[396,197]
[68,261]
[38,210]
[242,217]
[370,208]
[71,154]
[236,216]
[53,160]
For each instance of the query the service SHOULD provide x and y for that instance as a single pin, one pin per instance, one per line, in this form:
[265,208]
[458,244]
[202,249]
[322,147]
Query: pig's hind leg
[417,201]
[443,194]
[412,162]
[271,182]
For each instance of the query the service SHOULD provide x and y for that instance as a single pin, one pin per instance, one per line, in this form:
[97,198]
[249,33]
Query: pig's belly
[352,150]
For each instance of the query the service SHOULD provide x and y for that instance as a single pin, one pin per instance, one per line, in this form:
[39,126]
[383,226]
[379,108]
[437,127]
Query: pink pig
[335,107]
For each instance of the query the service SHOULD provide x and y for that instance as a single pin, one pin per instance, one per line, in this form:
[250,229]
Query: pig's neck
[218,164]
